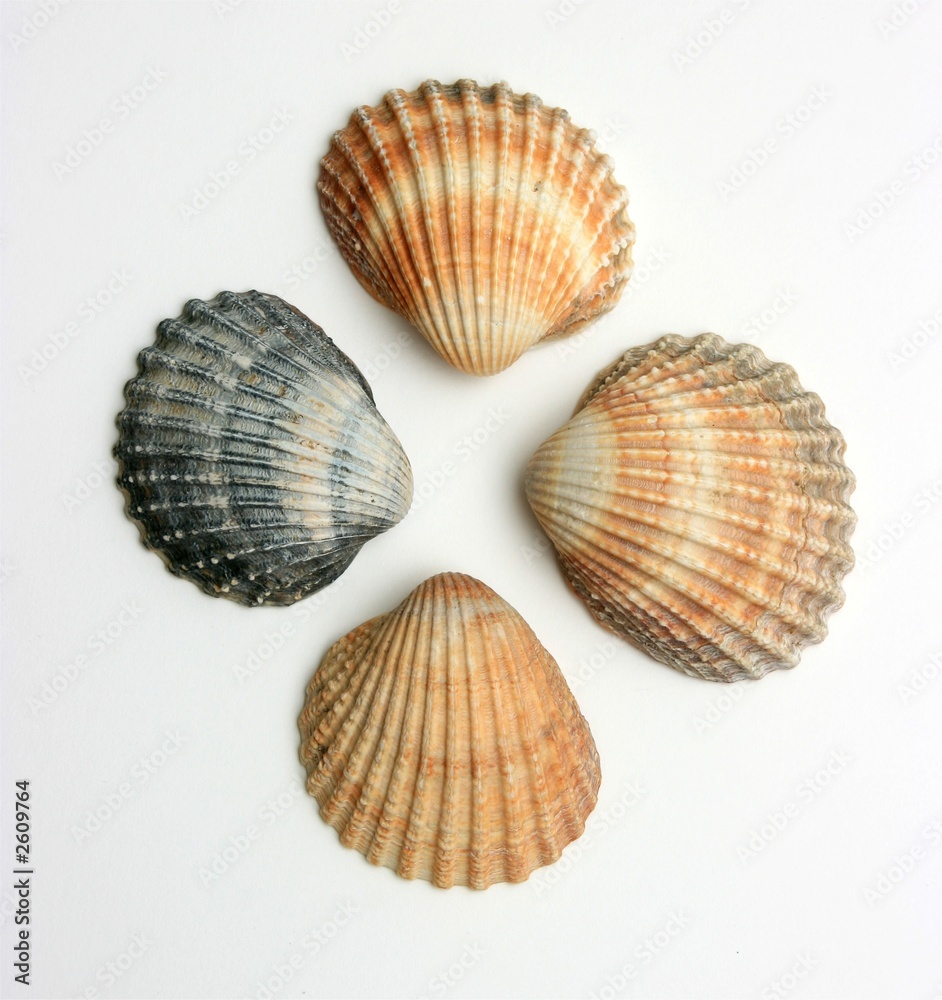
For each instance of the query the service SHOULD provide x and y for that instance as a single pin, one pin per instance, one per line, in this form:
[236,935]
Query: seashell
[442,741]
[485,219]
[251,453]
[698,503]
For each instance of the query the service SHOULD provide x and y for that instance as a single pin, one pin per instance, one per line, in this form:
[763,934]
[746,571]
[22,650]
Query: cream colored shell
[442,741]
[487,220]
[698,503]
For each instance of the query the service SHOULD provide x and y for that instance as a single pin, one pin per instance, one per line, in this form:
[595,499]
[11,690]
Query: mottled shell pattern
[485,219]
[442,741]
[251,453]
[698,504]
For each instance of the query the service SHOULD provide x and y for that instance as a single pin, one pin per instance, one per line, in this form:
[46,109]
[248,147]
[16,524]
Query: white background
[693,771]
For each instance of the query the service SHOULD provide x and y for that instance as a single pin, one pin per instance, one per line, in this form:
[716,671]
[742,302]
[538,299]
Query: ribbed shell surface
[698,503]
[482,217]
[442,741]
[251,453]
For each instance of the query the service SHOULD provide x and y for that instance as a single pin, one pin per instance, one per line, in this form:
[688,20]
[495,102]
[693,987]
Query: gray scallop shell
[251,453]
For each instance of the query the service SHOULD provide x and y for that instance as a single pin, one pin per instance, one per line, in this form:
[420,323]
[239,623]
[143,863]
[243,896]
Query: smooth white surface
[692,771]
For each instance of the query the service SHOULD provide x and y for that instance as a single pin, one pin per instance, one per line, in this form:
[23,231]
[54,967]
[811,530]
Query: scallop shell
[442,741]
[698,504]
[251,453]
[485,219]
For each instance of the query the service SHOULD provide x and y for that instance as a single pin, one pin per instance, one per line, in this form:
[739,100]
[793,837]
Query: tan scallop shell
[484,218]
[442,741]
[697,501]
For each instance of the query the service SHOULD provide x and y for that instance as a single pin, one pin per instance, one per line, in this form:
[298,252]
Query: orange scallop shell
[482,217]
[442,741]
[698,503]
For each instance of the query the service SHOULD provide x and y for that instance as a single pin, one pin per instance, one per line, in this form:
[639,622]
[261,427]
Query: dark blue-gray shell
[251,453]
